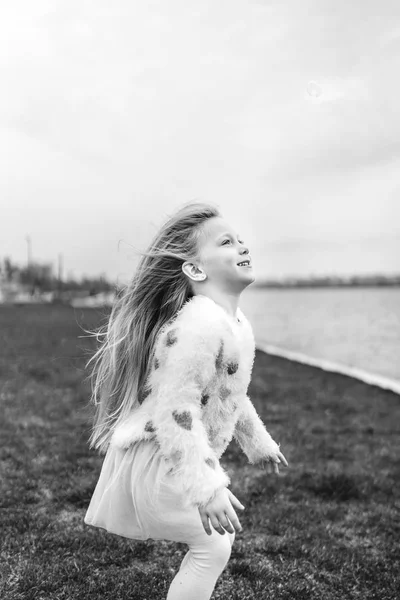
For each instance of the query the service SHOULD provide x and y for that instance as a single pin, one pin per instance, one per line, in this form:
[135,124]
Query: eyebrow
[227,233]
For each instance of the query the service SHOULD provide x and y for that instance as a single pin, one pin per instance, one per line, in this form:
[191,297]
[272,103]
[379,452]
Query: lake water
[353,328]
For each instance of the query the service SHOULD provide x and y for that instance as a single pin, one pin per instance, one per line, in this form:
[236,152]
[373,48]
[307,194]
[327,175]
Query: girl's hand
[273,462]
[218,511]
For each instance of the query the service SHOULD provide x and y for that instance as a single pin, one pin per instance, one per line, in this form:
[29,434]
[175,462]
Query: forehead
[215,227]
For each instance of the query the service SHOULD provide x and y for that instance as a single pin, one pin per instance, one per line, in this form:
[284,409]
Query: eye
[228,240]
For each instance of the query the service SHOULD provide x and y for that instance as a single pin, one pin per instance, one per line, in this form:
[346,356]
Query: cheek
[221,263]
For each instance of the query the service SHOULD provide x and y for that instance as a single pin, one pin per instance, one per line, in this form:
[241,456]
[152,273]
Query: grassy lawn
[328,527]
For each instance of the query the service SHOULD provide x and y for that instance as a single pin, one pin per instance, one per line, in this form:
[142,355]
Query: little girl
[170,388]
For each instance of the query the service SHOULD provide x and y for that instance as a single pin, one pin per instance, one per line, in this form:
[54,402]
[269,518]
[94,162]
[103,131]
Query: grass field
[328,527]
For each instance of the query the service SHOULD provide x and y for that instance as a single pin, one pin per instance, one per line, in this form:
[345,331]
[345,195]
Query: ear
[194,273]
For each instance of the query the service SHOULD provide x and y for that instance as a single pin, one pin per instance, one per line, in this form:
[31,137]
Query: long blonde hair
[157,291]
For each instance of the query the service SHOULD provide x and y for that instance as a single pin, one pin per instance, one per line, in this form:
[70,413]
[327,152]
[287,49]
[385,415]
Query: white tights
[204,562]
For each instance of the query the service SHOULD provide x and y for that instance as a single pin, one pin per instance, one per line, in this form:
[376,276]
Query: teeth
[245,262]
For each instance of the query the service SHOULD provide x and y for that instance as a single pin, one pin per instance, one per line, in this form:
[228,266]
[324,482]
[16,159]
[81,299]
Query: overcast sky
[113,114]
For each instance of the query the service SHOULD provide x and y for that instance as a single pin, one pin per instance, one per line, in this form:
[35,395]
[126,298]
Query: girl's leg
[167,515]
[204,562]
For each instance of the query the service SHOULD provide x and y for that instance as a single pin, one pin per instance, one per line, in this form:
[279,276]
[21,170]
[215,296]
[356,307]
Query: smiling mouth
[245,263]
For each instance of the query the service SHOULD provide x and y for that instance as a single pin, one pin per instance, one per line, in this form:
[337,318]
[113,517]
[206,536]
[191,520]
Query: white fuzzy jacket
[196,399]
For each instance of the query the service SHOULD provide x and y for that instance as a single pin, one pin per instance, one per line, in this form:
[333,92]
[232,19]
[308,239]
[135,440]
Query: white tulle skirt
[135,497]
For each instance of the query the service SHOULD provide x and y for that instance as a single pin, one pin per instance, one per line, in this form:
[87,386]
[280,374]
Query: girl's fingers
[283,459]
[217,525]
[273,462]
[234,501]
[232,517]
[206,524]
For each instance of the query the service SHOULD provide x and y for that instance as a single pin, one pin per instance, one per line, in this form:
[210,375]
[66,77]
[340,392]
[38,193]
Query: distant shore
[330,282]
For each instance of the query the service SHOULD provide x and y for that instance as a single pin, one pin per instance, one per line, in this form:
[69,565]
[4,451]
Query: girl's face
[221,250]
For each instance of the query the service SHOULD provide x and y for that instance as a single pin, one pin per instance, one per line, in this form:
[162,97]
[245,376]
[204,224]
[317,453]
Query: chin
[250,274]
[249,279]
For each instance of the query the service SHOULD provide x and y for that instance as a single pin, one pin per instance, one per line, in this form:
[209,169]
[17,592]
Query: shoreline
[327,365]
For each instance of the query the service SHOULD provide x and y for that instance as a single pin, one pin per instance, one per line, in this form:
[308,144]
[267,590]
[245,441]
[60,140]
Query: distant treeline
[312,282]
[41,277]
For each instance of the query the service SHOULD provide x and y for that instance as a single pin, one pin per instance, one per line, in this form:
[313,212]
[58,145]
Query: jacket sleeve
[187,365]
[251,434]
